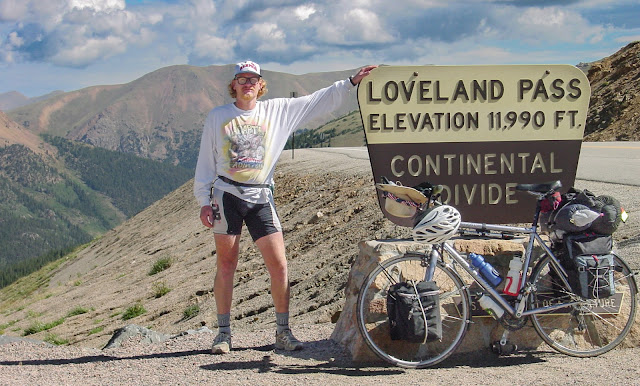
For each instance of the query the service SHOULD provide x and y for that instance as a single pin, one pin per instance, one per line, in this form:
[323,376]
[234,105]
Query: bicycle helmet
[437,224]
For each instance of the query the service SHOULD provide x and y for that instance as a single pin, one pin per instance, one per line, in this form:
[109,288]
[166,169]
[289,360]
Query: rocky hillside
[614,110]
[12,133]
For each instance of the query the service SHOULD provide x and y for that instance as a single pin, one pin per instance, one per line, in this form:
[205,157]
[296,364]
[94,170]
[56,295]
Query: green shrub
[191,312]
[39,326]
[96,330]
[160,289]
[34,328]
[77,311]
[55,339]
[160,265]
[133,311]
[6,325]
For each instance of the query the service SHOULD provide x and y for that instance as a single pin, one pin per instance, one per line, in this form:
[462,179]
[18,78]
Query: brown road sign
[476,130]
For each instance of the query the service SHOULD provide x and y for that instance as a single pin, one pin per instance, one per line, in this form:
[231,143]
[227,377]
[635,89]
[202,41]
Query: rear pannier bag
[590,265]
[413,309]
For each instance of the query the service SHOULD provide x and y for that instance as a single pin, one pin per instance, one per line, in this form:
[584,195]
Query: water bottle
[486,270]
[514,276]
[490,306]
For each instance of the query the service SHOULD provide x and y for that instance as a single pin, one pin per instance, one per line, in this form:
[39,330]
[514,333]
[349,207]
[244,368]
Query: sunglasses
[245,80]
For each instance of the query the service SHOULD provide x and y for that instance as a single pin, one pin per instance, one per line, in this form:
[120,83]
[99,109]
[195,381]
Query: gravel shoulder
[186,360]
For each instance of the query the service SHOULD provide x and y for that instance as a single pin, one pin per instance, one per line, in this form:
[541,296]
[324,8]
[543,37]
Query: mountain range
[160,115]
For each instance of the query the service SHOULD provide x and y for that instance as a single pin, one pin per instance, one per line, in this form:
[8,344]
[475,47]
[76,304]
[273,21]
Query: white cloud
[554,24]
[98,5]
[268,36]
[12,10]
[311,34]
[76,32]
[367,25]
[356,26]
[88,51]
[303,12]
[202,9]
[15,40]
[209,46]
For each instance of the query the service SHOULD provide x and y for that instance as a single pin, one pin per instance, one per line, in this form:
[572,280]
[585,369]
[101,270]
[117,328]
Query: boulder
[129,331]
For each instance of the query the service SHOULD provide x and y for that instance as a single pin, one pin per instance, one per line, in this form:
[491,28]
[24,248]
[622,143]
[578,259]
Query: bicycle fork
[433,260]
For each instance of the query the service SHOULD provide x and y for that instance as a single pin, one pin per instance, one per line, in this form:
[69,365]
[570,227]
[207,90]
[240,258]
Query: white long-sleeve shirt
[244,145]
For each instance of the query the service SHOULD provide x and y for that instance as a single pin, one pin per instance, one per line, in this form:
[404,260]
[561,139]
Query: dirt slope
[12,133]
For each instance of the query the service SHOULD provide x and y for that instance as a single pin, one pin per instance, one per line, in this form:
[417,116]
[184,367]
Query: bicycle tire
[583,330]
[373,321]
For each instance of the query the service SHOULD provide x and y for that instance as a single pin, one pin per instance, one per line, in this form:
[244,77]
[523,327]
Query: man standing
[240,146]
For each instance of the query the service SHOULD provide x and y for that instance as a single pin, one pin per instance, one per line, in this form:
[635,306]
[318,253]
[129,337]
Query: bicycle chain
[511,323]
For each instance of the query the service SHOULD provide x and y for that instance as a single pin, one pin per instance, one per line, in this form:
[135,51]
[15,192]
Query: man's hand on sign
[363,72]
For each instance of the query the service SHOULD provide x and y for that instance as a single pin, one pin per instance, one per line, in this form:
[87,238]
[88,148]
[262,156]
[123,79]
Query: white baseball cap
[247,67]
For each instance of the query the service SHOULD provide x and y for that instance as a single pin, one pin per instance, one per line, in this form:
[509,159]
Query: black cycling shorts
[230,212]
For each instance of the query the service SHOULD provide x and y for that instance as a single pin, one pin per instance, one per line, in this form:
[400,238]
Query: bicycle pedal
[503,349]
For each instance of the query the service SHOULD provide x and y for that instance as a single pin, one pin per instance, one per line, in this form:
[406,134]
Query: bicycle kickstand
[503,346]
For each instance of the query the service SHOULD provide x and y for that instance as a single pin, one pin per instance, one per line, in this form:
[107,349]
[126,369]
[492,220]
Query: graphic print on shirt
[246,146]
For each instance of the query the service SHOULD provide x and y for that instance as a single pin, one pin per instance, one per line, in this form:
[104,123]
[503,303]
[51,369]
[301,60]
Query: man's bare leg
[272,249]
[227,248]
[273,252]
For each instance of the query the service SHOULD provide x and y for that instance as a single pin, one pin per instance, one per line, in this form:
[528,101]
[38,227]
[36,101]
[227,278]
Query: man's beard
[247,96]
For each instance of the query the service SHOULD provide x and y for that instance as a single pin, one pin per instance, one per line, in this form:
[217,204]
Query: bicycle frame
[525,287]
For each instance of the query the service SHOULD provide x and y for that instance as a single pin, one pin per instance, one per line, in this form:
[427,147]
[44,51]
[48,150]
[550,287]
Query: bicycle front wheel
[589,327]
[373,321]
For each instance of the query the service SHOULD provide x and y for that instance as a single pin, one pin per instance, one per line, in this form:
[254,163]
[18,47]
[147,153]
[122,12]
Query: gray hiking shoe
[286,341]
[221,344]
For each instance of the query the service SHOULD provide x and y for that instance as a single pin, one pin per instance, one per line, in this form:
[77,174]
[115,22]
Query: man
[240,146]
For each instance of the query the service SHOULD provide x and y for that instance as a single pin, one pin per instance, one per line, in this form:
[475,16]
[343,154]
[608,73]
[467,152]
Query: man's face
[248,90]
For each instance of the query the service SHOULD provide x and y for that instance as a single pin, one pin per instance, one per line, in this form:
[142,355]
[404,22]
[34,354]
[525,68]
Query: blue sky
[48,45]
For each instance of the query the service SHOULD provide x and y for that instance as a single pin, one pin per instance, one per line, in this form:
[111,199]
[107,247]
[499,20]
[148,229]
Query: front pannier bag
[414,311]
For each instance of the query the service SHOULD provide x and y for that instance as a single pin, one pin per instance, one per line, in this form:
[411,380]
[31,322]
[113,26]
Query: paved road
[613,162]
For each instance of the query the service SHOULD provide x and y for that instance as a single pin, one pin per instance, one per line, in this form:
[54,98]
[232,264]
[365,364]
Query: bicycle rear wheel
[590,327]
[373,321]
